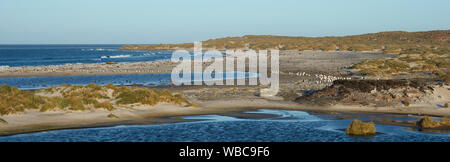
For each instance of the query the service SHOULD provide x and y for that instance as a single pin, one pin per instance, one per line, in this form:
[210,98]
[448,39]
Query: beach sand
[32,120]
[300,72]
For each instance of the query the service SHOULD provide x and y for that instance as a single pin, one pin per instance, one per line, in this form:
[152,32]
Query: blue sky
[177,21]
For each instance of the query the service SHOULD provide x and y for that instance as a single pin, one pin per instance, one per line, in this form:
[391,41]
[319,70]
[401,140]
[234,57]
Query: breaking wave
[116,56]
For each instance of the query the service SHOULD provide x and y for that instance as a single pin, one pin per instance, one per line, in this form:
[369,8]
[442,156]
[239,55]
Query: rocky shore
[89,69]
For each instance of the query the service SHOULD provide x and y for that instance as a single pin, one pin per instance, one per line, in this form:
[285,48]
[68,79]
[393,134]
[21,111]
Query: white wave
[97,49]
[149,54]
[4,67]
[116,56]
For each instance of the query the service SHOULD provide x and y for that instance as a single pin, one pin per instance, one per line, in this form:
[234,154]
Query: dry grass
[3,121]
[82,98]
[359,128]
[105,105]
[406,103]
[445,121]
[409,63]
[112,116]
[388,42]
[427,122]
[13,100]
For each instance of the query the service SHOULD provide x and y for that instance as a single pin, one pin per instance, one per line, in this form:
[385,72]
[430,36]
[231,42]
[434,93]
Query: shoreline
[145,67]
[300,73]
[31,121]
[166,66]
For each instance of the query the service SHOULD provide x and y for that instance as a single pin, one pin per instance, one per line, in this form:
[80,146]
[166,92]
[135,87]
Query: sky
[182,21]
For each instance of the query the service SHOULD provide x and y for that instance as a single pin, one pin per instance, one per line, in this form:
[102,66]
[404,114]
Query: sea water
[285,126]
[38,55]
[28,83]
[41,55]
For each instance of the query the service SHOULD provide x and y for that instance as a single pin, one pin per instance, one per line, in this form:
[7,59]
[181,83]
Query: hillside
[390,42]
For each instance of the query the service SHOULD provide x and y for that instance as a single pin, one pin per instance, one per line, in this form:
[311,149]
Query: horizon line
[223,37]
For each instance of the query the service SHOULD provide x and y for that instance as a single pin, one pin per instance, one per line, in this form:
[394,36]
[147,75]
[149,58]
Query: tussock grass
[359,128]
[13,100]
[427,122]
[148,97]
[410,63]
[406,103]
[105,105]
[112,116]
[82,98]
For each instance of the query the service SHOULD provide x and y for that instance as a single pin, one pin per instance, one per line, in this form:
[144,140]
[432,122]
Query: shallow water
[287,126]
[117,79]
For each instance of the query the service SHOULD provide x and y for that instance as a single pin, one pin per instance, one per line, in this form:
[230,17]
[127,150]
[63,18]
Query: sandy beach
[331,62]
[32,121]
[300,72]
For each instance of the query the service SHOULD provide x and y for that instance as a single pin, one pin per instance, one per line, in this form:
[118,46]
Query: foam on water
[38,55]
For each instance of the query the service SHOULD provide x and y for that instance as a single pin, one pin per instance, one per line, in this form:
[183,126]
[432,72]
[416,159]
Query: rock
[359,128]
[112,116]
[427,122]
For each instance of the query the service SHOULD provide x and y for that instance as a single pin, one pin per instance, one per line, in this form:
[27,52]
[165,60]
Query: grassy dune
[389,42]
[81,98]
[437,64]
[418,51]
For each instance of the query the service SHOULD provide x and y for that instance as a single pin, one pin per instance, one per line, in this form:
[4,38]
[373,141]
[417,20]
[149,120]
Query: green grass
[82,98]
[149,97]
[13,100]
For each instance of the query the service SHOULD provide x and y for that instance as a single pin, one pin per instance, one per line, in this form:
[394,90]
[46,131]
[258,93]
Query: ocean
[35,55]
[40,55]
[284,126]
